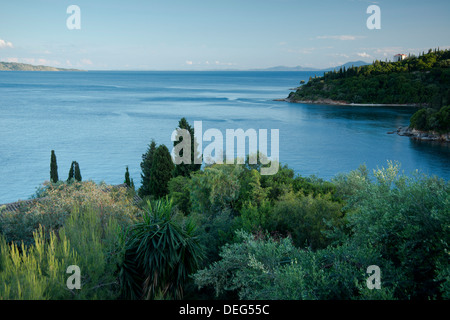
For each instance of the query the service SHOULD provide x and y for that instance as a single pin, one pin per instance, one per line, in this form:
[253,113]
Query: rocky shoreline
[345,103]
[422,135]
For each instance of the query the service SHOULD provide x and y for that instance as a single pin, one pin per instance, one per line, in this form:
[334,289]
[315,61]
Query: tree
[161,172]
[74,172]
[77,172]
[127,180]
[185,169]
[146,166]
[53,168]
[71,172]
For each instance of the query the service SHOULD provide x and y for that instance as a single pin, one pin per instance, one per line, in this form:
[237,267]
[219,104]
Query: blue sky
[217,34]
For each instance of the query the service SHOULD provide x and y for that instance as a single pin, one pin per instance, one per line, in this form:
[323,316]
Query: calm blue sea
[105,120]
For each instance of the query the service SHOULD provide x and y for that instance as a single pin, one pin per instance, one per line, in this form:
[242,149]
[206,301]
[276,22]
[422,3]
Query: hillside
[300,68]
[13,66]
[419,81]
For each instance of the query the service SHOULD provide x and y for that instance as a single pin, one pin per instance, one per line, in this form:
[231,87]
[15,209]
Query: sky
[217,34]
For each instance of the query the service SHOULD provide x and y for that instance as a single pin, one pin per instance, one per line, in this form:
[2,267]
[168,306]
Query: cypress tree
[74,172]
[77,172]
[127,178]
[185,169]
[71,172]
[53,168]
[146,165]
[161,172]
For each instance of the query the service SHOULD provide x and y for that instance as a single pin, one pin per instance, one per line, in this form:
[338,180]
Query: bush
[215,189]
[52,211]
[267,268]
[38,272]
[406,218]
[179,191]
[306,219]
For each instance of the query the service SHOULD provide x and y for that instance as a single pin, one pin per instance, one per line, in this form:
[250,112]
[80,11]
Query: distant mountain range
[300,68]
[13,66]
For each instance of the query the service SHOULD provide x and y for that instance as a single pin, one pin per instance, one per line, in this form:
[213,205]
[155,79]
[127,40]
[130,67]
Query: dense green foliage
[431,120]
[263,267]
[406,219]
[397,222]
[53,168]
[423,80]
[228,232]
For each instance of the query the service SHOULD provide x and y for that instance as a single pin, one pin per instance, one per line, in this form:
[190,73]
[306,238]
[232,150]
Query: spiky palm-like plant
[160,253]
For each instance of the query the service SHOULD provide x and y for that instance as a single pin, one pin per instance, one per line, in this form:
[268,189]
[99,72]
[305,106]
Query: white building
[399,57]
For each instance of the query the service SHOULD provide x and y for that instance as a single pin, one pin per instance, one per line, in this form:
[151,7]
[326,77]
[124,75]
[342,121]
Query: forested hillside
[423,80]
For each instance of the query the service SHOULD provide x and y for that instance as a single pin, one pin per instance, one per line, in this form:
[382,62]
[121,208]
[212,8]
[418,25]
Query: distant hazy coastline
[14,66]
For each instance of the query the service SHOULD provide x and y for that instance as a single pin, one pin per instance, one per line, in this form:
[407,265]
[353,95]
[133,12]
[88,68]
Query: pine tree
[161,172]
[127,178]
[146,165]
[185,169]
[53,168]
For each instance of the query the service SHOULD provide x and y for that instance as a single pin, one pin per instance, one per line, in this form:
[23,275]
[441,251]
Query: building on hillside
[399,57]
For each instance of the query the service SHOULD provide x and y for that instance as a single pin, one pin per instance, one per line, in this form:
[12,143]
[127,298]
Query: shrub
[268,268]
[52,211]
[215,189]
[306,219]
[179,191]
[406,218]
[38,271]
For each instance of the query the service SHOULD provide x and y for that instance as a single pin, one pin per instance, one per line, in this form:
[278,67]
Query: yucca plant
[161,252]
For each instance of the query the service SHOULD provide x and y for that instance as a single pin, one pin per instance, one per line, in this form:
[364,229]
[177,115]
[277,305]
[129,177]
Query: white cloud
[189,62]
[5,44]
[363,55]
[341,37]
[16,60]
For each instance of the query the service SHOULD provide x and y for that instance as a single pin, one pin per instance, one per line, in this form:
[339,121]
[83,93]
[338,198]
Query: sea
[105,121]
